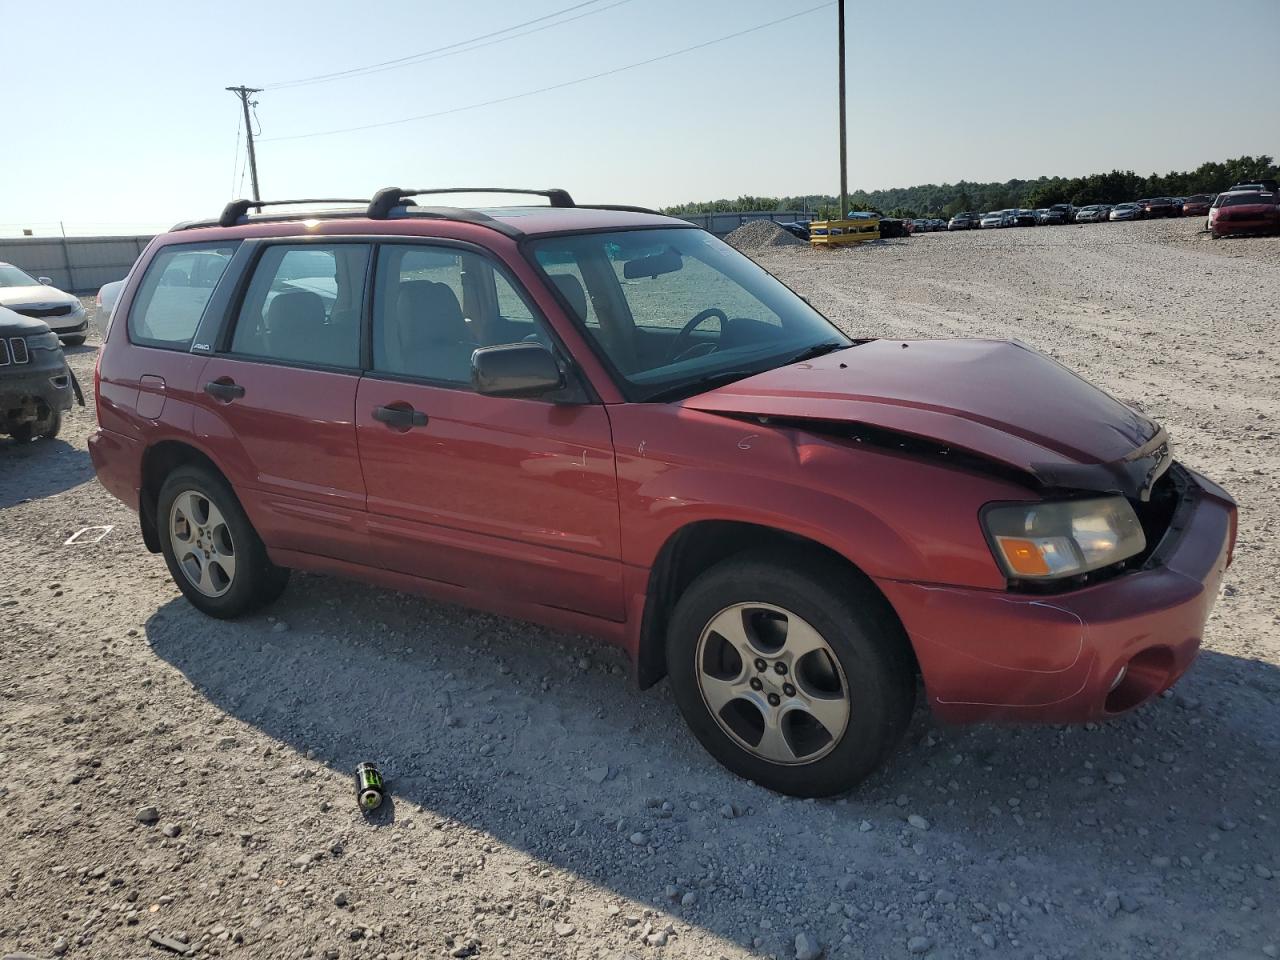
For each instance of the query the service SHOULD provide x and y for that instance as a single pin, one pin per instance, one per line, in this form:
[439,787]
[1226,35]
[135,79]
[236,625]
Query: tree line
[948,199]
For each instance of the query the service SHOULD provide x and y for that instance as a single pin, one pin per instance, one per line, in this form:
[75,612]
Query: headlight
[77,308]
[43,341]
[1045,541]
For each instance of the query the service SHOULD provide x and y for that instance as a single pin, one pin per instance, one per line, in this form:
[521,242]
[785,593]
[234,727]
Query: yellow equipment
[840,232]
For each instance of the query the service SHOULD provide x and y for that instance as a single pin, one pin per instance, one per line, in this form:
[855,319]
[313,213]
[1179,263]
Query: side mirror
[515,370]
[47,281]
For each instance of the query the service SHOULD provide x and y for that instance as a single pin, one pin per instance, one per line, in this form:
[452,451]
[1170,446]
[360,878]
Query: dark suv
[608,421]
[36,385]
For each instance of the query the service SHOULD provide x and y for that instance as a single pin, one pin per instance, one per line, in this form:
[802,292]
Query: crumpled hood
[997,399]
[34,295]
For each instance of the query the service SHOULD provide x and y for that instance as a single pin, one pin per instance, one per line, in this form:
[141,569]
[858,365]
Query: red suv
[607,421]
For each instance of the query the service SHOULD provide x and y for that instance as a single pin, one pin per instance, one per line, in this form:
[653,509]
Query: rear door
[513,496]
[277,397]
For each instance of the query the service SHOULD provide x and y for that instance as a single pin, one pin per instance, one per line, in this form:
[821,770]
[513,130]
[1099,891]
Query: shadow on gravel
[542,741]
[40,468]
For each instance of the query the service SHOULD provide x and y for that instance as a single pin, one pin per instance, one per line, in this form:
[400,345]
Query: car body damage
[972,403]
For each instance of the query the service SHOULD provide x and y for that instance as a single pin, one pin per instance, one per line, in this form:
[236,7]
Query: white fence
[75,264]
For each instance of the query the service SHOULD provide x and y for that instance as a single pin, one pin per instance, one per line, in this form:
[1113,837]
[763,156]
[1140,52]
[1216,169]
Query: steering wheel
[678,345]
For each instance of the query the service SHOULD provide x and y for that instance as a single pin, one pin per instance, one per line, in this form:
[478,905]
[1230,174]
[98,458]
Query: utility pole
[844,156]
[245,92]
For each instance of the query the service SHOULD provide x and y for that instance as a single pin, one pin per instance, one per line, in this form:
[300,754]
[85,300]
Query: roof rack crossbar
[236,209]
[387,199]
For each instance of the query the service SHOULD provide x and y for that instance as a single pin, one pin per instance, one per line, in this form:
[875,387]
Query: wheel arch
[160,460]
[699,545]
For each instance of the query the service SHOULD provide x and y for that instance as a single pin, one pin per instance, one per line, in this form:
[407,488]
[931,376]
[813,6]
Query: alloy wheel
[773,683]
[202,543]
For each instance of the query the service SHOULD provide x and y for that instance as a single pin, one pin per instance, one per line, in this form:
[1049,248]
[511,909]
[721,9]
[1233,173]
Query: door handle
[224,388]
[400,417]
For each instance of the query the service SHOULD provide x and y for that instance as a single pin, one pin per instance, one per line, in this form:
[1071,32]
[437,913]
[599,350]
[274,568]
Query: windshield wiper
[690,387]
[817,350]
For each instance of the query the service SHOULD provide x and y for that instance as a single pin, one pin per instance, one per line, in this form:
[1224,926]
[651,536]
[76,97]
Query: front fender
[893,515]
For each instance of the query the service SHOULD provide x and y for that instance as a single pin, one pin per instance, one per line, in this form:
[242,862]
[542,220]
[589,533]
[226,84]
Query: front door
[517,496]
[276,404]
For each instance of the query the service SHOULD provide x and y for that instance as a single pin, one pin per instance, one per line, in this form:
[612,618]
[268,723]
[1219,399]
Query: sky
[118,119]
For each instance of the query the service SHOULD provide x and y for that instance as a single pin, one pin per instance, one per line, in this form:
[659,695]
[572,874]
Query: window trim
[222,347]
[175,249]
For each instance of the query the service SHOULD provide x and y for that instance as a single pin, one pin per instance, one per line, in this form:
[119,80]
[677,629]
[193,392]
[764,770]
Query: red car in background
[608,421]
[1197,206]
[1245,211]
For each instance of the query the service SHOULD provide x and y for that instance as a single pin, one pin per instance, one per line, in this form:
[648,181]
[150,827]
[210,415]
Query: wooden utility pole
[245,92]
[844,156]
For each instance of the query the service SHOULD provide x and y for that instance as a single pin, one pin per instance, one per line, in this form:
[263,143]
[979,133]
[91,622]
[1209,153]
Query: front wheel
[796,675]
[76,341]
[213,553]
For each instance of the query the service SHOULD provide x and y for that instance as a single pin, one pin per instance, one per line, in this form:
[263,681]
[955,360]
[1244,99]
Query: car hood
[37,295]
[996,400]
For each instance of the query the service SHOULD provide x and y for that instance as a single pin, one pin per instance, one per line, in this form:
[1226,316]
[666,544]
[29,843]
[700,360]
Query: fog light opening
[1142,678]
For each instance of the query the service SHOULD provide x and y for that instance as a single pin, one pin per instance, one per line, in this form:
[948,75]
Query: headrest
[571,289]
[430,312]
[298,314]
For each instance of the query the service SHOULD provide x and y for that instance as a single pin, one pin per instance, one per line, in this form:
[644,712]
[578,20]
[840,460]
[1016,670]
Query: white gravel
[540,808]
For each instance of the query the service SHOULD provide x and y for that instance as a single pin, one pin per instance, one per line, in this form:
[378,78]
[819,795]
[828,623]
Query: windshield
[674,308]
[11,276]
[1246,199]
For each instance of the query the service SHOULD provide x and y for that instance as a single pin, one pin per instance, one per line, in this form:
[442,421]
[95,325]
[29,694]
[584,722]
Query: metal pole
[844,157]
[244,93]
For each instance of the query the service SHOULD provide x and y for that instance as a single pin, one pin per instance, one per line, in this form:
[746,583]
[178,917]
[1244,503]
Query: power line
[554,86]
[416,57]
[432,56]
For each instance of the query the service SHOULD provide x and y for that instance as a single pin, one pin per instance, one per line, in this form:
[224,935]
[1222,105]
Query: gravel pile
[762,234]
[180,786]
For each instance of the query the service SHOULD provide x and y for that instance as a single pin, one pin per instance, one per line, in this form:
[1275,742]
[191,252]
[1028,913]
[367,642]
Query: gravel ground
[179,785]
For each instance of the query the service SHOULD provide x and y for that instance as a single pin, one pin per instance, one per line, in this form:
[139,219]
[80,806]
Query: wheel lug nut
[774,700]
[756,684]
[761,665]
[780,667]
[789,690]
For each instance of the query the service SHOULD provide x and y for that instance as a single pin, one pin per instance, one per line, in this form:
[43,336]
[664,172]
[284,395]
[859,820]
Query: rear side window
[175,290]
[303,305]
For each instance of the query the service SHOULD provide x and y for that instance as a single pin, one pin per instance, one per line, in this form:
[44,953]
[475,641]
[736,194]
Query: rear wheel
[213,553]
[796,675]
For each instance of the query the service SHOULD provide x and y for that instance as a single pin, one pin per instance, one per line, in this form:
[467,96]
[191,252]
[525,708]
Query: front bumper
[1260,224]
[70,325]
[993,655]
[21,395]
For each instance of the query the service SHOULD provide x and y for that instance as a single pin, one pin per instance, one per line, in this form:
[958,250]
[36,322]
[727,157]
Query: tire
[867,658]
[221,566]
[39,430]
[76,341]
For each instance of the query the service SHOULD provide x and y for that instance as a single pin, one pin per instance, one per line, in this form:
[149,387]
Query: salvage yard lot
[540,807]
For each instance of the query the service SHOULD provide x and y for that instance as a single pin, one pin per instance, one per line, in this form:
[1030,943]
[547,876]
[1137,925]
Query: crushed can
[369,787]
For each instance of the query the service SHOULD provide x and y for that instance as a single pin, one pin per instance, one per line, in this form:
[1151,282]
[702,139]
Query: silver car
[40,300]
[996,218]
[1126,211]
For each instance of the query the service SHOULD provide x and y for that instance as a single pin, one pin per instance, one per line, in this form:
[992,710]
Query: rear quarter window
[174,293]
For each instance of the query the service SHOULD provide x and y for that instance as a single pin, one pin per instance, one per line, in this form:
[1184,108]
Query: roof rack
[388,198]
[236,209]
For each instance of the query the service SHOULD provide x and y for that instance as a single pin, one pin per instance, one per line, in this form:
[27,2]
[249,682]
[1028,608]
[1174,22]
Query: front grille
[41,312]
[4,354]
[18,349]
